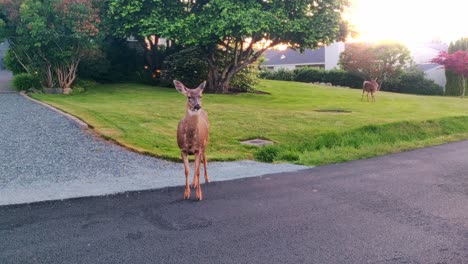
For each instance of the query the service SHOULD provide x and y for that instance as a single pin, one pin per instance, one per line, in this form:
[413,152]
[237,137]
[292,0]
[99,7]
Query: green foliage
[412,82]
[453,86]
[335,77]
[308,75]
[246,79]
[26,81]
[375,61]
[280,75]
[311,75]
[187,66]
[11,63]
[191,68]
[84,84]
[221,27]
[357,143]
[50,37]
[94,65]
[267,153]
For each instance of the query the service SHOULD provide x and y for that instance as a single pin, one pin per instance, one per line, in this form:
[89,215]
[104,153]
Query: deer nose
[197,107]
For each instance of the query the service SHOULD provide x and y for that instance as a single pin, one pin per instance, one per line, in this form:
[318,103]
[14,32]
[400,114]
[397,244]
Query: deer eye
[189,97]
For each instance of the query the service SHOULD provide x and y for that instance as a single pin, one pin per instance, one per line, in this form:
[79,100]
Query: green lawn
[145,118]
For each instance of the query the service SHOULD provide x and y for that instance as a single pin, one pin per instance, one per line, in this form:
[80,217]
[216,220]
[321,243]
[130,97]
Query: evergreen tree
[453,88]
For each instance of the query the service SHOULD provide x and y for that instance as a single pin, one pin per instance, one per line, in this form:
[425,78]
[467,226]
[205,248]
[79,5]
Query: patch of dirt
[340,111]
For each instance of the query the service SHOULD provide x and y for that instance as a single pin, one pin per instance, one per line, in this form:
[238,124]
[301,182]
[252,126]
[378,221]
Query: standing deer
[192,135]
[370,87]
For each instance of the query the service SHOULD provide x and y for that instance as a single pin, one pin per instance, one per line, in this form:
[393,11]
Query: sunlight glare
[409,21]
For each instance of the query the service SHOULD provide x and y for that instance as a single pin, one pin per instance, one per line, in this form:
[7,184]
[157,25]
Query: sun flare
[408,22]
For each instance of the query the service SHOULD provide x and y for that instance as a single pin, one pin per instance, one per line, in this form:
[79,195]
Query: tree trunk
[463,86]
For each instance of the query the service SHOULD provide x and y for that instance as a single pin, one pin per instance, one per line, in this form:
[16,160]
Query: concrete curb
[78,121]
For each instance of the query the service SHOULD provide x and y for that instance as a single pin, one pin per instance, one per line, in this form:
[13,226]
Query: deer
[192,136]
[371,87]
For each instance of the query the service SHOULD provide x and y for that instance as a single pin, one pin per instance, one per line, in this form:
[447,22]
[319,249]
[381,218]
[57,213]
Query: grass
[145,118]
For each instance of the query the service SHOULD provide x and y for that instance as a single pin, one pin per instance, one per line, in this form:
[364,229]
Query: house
[327,58]
[433,71]
[324,57]
[422,55]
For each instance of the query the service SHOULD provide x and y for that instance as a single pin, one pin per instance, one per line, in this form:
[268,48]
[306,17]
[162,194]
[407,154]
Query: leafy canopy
[375,61]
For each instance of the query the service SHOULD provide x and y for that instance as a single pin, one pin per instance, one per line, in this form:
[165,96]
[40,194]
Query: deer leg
[186,166]
[194,184]
[204,166]
[373,97]
[197,176]
[362,97]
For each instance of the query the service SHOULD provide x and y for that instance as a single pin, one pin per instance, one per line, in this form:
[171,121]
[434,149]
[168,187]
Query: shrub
[26,81]
[191,68]
[309,75]
[11,63]
[280,75]
[246,79]
[267,153]
[413,82]
[95,66]
[187,66]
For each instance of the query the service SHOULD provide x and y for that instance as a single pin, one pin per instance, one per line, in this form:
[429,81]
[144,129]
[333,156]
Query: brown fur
[370,87]
[193,135]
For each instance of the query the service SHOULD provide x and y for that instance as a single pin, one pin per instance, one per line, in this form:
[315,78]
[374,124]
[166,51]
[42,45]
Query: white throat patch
[196,112]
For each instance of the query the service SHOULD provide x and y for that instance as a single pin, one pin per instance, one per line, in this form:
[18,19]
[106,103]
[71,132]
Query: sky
[409,21]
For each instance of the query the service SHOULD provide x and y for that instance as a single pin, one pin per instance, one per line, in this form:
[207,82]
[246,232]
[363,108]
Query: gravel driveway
[45,156]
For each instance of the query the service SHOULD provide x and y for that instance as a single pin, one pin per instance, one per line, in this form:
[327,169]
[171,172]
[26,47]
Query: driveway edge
[77,121]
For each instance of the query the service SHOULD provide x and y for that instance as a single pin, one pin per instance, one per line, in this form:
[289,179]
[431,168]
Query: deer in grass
[371,87]
[192,136]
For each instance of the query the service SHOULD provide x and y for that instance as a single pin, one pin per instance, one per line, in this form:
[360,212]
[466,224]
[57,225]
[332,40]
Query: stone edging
[78,121]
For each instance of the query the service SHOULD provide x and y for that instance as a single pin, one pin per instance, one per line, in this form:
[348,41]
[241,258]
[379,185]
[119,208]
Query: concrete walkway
[45,156]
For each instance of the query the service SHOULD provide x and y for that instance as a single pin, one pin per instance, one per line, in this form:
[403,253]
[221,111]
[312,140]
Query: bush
[281,75]
[11,63]
[246,79]
[191,68]
[413,82]
[95,66]
[267,153]
[310,75]
[26,81]
[80,86]
[187,66]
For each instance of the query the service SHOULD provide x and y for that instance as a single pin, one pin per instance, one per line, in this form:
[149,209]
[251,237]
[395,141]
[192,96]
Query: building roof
[427,66]
[290,56]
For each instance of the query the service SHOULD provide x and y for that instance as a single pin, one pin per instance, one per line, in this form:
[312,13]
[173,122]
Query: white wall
[332,55]
[437,75]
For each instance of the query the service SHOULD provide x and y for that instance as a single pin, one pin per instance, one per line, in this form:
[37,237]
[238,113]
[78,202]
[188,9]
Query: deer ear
[202,85]
[180,87]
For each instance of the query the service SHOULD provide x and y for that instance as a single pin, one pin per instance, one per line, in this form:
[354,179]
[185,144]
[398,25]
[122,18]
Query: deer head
[194,96]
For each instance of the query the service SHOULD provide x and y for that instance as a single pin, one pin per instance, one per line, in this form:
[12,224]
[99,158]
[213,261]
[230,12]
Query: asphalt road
[409,207]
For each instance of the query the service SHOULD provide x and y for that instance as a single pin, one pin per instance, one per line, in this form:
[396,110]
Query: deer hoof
[187,195]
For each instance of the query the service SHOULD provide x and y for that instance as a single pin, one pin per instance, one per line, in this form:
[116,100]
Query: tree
[145,20]
[234,34]
[457,63]
[50,37]
[452,87]
[375,61]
